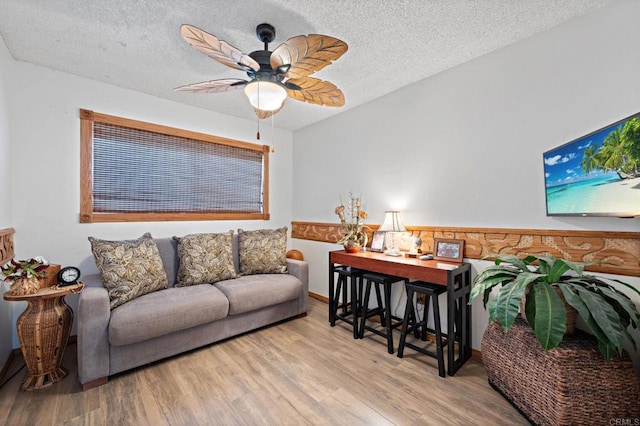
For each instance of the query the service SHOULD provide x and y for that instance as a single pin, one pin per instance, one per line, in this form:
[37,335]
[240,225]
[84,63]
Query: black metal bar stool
[419,328]
[383,309]
[349,286]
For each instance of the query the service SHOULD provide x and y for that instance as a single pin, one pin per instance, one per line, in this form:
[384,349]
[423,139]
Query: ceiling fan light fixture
[274,75]
[265,95]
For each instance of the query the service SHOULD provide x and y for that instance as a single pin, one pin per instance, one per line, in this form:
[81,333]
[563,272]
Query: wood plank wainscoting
[618,252]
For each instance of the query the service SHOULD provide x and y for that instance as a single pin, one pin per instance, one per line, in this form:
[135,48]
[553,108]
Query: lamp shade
[392,222]
[265,95]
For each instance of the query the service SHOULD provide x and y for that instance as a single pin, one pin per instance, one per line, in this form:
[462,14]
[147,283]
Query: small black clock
[68,275]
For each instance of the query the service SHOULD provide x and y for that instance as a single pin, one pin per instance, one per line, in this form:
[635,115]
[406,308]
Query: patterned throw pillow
[263,251]
[205,258]
[129,268]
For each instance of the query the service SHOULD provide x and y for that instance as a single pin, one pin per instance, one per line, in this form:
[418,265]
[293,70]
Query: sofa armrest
[93,280]
[93,333]
[300,270]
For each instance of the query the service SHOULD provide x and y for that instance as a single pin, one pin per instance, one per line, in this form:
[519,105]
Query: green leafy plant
[606,311]
[30,268]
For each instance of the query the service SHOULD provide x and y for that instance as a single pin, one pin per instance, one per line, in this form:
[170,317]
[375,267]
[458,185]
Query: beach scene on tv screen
[597,174]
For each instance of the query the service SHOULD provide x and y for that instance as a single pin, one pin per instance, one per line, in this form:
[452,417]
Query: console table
[455,276]
[43,329]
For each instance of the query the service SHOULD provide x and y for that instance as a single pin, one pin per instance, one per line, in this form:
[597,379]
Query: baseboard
[475,353]
[319,297]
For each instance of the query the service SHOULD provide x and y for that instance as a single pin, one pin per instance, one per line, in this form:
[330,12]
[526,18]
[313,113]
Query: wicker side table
[43,329]
[571,384]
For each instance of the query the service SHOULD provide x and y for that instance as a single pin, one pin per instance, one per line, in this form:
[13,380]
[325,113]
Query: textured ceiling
[136,44]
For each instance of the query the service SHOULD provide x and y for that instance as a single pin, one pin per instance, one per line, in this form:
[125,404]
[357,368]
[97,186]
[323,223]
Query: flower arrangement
[352,222]
[24,275]
[30,268]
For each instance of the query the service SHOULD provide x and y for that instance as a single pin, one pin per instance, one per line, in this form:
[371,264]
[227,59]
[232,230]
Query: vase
[24,286]
[351,246]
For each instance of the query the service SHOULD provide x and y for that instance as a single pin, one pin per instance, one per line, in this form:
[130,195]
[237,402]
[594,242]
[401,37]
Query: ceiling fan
[272,75]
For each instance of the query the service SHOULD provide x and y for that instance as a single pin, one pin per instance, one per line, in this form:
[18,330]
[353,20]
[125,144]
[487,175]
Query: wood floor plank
[298,372]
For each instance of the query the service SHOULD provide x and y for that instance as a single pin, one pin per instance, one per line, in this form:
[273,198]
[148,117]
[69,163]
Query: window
[137,171]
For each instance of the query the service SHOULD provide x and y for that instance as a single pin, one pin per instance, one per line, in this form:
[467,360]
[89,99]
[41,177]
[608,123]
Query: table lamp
[392,224]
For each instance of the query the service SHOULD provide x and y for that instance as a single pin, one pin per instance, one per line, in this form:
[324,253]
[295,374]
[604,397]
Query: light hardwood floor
[299,372]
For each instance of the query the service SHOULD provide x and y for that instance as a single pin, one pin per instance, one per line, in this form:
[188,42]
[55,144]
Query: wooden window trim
[87,215]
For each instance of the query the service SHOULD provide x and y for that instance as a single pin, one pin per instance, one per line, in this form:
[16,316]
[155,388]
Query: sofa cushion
[205,258]
[129,268]
[254,292]
[167,311]
[263,251]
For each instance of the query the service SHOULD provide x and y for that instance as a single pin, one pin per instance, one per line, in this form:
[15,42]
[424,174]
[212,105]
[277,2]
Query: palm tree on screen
[619,153]
[589,160]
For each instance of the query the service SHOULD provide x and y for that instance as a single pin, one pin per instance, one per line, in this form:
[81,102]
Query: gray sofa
[177,319]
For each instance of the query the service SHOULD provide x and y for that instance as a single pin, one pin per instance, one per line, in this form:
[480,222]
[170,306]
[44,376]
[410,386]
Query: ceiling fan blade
[266,114]
[216,49]
[214,86]
[316,91]
[307,54]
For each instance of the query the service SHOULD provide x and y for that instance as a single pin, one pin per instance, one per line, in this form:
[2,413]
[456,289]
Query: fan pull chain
[272,134]
[258,134]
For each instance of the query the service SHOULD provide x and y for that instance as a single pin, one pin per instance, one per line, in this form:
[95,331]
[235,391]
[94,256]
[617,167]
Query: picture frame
[449,250]
[377,241]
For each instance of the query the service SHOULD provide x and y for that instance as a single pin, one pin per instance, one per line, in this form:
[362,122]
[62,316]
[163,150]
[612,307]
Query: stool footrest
[421,350]
[381,329]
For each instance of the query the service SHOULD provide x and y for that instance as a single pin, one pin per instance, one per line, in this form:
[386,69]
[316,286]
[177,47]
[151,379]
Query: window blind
[141,171]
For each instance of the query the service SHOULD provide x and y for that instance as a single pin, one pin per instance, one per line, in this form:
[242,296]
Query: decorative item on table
[415,248]
[377,242]
[69,275]
[392,225]
[448,250]
[606,311]
[416,245]
[24,275]
[352,225]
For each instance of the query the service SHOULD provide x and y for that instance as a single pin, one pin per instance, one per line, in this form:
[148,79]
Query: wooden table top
[433,271]
[46,293]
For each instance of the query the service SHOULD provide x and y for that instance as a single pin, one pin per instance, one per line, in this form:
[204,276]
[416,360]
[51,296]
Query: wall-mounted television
[597,174]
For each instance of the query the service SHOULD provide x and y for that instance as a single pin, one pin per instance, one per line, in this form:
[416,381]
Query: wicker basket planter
[571,384]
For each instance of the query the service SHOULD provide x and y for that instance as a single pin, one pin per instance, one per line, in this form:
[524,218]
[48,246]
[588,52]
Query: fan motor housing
[263,57]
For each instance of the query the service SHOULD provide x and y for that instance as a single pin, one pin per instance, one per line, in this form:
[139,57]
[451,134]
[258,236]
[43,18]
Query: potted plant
[24,275]
[606,311]
[352,224]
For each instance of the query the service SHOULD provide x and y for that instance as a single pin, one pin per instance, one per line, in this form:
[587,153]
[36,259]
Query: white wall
[46,142]
[464,148]
[6,64]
